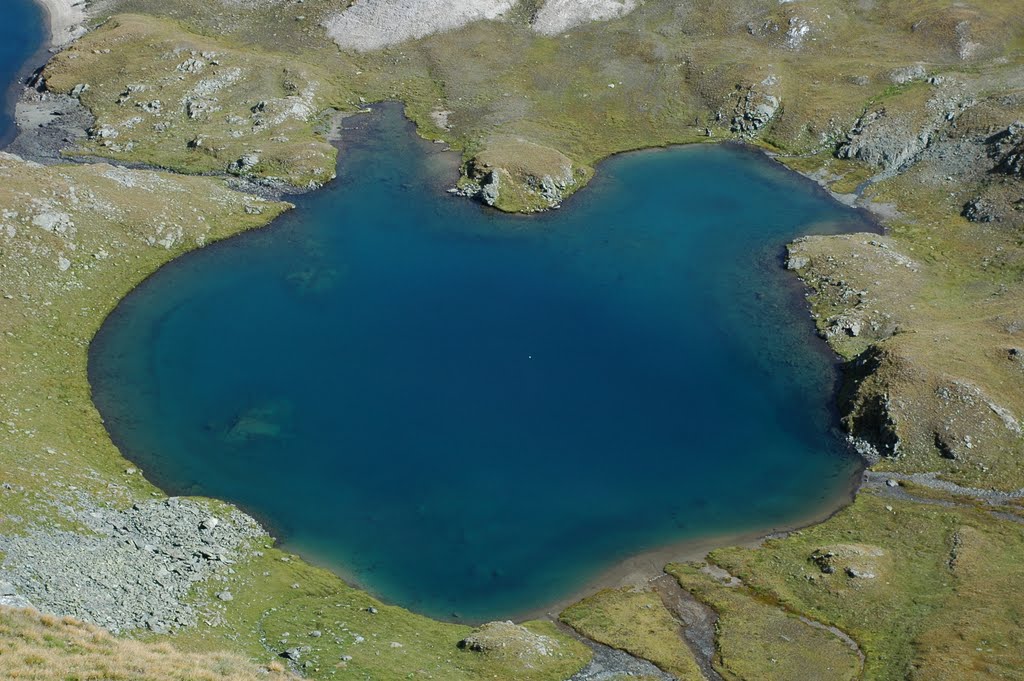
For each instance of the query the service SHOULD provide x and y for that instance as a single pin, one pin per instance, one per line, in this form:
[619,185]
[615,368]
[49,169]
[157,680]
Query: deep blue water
[473,413]
[22,33]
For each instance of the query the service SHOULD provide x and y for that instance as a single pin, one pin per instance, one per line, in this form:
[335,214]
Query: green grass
[140,86]
[635,620]
[660,76]
[940,606]
[757,639]
[884,614]
[279,601]
[652,79]
[938,306]
[52,437]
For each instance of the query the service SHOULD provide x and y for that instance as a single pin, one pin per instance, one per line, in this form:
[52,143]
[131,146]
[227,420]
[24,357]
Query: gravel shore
[66,19]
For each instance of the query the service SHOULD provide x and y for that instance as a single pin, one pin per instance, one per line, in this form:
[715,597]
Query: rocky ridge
[756,106]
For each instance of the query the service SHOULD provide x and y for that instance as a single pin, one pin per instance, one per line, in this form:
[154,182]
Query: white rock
[374,24]
[53,221]
[557,16]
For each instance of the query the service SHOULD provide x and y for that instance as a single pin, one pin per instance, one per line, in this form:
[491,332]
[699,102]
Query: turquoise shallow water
[473,413]
[22,33]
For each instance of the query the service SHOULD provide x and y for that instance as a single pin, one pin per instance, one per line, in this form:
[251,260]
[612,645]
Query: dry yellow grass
[37,647]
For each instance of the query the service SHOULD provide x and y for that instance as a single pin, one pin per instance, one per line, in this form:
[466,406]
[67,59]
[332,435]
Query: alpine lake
[473,414]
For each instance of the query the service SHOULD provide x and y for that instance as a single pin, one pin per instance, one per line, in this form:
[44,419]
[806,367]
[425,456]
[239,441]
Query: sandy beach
[66,19]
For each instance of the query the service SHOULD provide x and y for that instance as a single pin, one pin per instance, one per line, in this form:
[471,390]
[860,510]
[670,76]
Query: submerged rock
[267,421]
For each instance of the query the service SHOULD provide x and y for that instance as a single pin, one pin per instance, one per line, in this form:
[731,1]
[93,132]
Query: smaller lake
[473,413]
[23,32]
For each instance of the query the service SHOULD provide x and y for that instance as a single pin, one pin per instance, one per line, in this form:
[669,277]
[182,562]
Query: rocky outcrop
[376,24]
[980,209]
[557,16]
[183,102]
[966,46]
[510,640]
[1007,149]
[887,142]
[797,30]
[10,598]
[609,664]
[907,74]
[792,28]
[855,561]
[868,410]
[916,388]
[756,106]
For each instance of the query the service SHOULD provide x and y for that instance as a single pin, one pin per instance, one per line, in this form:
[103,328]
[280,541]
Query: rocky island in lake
[470,394]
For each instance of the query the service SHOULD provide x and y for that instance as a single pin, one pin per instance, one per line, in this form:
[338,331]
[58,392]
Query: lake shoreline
[643,568]
[633,568]
[65,20]
[42,122]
